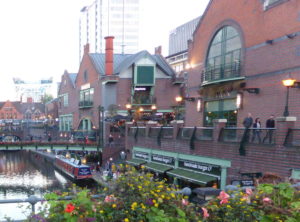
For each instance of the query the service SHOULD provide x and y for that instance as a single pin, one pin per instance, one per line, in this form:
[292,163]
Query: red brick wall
[280,60]
[9,109]
[259,158]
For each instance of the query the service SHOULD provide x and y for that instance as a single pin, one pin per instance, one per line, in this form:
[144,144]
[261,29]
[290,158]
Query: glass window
[223,55]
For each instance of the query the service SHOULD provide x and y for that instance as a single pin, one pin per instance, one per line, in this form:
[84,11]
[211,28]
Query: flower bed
[136,196]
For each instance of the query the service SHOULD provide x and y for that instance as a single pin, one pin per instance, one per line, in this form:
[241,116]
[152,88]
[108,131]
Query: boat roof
[71,161]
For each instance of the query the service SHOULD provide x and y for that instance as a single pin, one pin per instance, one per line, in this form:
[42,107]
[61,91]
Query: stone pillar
[149,125]
[218,125]
[223,177]
[176,125]
[282,126]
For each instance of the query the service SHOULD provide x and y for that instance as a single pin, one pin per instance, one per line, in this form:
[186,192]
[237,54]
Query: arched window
[224,55]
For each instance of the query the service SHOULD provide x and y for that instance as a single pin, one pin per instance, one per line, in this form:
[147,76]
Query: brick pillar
[218,125]
[282,125]
[176,125]
[149,125]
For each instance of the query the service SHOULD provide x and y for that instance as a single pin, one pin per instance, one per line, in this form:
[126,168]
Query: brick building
[240,53]
[243,54]
[138,85]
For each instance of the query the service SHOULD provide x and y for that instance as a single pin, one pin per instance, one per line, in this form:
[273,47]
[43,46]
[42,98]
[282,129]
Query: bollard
[33,200]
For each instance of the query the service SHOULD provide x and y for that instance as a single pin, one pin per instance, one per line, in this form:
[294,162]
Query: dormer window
[144,75]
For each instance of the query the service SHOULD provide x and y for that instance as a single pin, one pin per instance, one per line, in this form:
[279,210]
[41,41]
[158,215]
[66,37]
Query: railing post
[218,124]
[283,124]
[177,124]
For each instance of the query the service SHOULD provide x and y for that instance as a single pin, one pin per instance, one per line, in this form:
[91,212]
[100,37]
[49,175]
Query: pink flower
[184,202]
[223,195]
[109,198]
[205,212]
[224,201]
[267,200]
[249,191]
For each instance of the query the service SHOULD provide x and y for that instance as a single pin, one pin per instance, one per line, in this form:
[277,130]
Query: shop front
[182,169]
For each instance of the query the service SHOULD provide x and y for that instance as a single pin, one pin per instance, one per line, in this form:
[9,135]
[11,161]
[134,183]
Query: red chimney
[109,55]
[157,50]
[87,48]
[29,100]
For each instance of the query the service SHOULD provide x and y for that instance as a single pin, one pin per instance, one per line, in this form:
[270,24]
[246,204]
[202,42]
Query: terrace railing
[293,137]
[235,135]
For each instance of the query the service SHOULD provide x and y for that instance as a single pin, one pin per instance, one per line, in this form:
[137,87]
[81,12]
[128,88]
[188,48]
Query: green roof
[192,176]
[160,168]
[136,161]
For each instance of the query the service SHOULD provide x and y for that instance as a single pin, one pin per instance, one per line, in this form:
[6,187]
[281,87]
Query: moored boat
[72,168]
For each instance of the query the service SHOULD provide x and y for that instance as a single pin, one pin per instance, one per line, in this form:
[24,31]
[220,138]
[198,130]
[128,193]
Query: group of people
[256,125]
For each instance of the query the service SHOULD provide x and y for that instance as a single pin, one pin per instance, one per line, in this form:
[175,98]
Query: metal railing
[143,99]
[33,200]
[253,136]
[224,71]
[293,137]
[204,133]
[83,104]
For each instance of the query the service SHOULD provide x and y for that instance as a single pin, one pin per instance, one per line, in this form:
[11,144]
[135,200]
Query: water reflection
[23,174]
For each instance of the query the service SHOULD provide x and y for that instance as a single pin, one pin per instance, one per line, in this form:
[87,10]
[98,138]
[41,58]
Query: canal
[22,175]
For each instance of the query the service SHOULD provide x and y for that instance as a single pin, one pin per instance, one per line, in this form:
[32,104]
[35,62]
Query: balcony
[143,100]
[221,72]
[85,104]
[110,78]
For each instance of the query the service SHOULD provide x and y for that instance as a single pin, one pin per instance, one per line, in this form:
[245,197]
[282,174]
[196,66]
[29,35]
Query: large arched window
[224,55]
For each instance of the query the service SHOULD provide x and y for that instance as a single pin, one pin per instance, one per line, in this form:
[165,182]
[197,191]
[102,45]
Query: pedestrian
[247,124]
[49,138]
[270,124]
[256,130]
[110,139]
[86,139]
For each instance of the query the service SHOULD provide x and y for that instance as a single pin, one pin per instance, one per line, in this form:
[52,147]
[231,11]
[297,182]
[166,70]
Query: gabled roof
[124,61]
[73,78]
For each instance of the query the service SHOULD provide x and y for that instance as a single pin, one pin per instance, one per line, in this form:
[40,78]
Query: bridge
[33,145]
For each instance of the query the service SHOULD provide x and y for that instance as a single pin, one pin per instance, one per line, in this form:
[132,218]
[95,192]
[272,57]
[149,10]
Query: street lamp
[128,107]
[178,100]
[101,127]
[288,83]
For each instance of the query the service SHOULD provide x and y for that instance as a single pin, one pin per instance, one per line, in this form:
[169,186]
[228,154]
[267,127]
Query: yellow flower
[154,201]
[142,167]
[162,196]
[114,206]
[156,205]
[160,200]
[101,212]
[126,220]
[157,191]
[173,195]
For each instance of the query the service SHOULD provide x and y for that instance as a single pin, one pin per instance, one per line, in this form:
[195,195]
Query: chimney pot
[87,48]
[157,50]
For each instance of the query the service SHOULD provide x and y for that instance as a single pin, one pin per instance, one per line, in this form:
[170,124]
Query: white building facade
[118,18]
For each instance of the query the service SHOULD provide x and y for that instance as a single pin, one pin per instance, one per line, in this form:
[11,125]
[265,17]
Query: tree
[46,98]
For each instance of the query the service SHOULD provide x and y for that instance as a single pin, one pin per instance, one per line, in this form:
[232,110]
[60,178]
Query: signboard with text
[141,155]
[202,167]
[163,159]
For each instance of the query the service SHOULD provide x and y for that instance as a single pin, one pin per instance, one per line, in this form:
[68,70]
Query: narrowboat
[72,168]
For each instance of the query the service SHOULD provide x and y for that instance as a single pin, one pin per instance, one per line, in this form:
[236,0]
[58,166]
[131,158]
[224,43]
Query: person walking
[270,124]
[256,130]
[247,124]
[110,139]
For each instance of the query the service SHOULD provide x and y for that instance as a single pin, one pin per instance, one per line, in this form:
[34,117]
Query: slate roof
[124,61]
[73,78]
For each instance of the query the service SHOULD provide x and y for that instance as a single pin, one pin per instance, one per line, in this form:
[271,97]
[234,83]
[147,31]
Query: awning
[136,162]
[191,176]
[160,168]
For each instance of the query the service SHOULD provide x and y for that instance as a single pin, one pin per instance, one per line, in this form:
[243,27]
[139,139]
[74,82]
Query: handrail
[33,200]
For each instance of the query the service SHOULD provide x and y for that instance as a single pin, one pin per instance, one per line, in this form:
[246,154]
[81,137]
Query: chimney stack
[157,50]
[29,100]
[109,55]
[87,48]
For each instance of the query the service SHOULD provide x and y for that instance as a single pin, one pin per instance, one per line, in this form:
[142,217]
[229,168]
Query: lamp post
[128,107]
[178,100]
[101,127]
[288,83]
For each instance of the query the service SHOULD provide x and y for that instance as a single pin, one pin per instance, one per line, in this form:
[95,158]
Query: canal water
[22,175]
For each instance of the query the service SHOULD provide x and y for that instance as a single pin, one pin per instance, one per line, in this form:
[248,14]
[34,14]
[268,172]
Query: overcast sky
[39,38]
